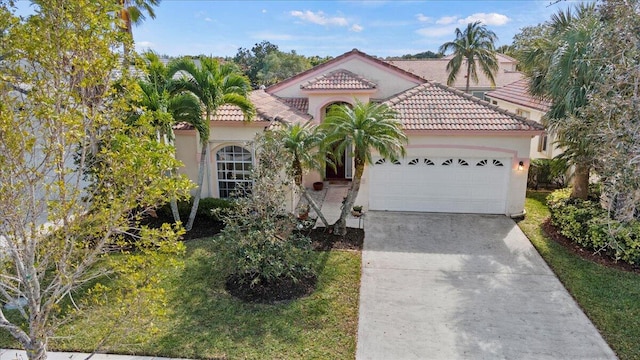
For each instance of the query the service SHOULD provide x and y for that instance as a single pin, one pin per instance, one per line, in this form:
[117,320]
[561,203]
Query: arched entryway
[344,166]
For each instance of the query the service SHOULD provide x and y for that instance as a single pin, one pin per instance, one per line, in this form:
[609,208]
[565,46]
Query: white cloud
[446,20]
[423,18]
[437,31]
[319,18]
[487,19]
[356,28]
[208,19]
[264,11]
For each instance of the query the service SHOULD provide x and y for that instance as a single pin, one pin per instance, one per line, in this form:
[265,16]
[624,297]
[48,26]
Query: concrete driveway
[451,286]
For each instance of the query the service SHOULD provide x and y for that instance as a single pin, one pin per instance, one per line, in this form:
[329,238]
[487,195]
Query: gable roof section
[435,107]
[339,59]
[436,70]
[518,93]
[268,108]
[299,103]
[340,79]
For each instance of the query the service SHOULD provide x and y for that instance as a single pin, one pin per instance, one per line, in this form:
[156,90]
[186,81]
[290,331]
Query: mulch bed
[322,239]
[270,292]
[202,227]
[586,254]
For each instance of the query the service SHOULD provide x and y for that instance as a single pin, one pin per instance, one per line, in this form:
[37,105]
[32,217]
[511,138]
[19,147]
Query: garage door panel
[455,187]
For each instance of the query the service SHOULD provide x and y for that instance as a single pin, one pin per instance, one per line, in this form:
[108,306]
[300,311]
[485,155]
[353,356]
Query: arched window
[234,165]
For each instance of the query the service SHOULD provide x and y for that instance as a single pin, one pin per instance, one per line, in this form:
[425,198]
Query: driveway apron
[458,286]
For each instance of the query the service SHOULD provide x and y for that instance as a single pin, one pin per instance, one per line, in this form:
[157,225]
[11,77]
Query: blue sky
[380,28]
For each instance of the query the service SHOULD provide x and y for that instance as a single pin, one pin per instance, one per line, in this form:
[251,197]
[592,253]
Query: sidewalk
[7,354]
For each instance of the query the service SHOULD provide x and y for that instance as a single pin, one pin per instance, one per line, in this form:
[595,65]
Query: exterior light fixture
[521,166]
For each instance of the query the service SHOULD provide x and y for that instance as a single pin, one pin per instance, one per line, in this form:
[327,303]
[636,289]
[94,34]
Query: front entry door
[339,171]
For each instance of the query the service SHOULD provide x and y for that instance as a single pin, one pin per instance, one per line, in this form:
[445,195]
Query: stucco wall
[535,115]
[188,151]
[389,82]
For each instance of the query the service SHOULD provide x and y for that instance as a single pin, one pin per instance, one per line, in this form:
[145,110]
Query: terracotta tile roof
[518,93]
[268,108]
[300,104]
[436,70]
[354,52]
[340,79]
[433,106]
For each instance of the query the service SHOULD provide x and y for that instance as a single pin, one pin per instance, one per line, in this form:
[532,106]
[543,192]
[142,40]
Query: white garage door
[452,184]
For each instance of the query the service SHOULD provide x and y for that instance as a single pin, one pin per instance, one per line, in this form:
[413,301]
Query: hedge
[589,225]
[206,208]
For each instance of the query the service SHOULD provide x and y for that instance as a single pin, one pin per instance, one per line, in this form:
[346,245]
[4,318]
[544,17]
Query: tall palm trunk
[466,89]
[580,181]
[340,226]
[196,198]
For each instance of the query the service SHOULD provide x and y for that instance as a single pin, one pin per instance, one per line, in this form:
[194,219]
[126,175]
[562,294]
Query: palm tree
[304,142]
[165,109]
[132,12]
[475,45]
[560,69]
[214,84]
[363,128]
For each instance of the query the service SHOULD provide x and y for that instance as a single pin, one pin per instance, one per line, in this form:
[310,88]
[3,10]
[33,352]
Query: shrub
[547,173]
[213,208]
[259,244]
[587,224]
[208,209]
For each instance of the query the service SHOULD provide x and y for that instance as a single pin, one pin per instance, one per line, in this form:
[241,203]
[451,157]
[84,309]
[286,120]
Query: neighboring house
[515,97]
[464,155]
[436,70]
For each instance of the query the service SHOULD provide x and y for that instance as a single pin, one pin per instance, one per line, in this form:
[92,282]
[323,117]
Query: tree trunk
[174,210]
[340,226]
[466,89]
[196,198]
[36,350]
[580,182]
[314,206]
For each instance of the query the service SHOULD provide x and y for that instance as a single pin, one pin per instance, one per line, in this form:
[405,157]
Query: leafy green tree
[475,45]
[280,65]
[304,142]
[75,178]
[252,61]
[214,84]
[615,102]
[316,60]
[560,69]
[363,128]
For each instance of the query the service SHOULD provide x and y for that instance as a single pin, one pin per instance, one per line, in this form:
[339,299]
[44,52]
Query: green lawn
[611,298]
[202,321]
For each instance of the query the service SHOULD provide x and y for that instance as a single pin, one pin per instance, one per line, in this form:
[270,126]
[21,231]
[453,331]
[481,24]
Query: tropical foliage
[560,69]
[472,47]
[214,84]
[363,128]
[159,108]
[305,143]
